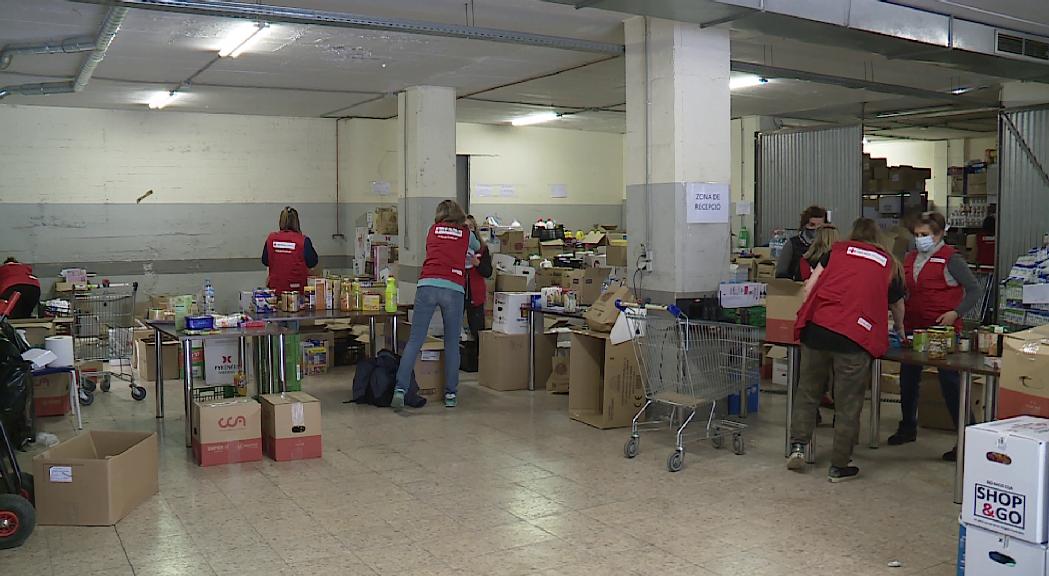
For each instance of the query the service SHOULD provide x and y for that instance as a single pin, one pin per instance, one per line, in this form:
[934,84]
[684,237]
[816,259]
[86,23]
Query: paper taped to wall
[558,191]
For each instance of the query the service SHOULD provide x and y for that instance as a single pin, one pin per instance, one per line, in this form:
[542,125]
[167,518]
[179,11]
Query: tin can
[291,301]
[964,344]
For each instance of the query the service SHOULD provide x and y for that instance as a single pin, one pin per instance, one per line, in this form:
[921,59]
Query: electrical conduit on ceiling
[110,27]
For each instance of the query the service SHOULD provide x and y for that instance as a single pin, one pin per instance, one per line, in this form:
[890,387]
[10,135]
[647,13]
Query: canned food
[920,340]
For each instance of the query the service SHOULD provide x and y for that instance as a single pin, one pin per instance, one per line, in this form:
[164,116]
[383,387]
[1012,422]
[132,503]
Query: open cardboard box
[605,387]
[783,299]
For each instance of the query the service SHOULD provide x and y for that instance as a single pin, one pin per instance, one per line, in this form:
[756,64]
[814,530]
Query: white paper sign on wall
[707,202]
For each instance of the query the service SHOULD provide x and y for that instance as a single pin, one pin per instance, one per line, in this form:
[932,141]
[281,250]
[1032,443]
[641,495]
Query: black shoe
[903,435]
[951,455]
[836,474]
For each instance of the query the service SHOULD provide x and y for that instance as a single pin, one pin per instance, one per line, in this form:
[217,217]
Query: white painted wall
[66,155]
[369,151]
[589,164]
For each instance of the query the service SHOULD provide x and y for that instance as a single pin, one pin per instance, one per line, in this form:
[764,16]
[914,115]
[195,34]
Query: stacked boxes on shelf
[1024,295]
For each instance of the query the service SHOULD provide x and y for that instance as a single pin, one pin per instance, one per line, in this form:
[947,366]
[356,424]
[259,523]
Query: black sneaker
[903,435]
[836,474]
[796,460]
[951,455]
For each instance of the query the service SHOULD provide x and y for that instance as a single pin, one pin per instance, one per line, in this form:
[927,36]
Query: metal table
[165,330]
[535,326]
[372,316]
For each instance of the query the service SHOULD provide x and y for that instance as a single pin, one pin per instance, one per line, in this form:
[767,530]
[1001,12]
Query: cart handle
[672,309]
[9,305]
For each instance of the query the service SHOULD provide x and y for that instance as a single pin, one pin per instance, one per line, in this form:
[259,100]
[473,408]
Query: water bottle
[744,238]
[391,294]
[209,297]
[779,238]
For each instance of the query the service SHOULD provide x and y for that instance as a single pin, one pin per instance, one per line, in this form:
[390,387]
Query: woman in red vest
[289,254]
[442,284]
[18,277]
[478,267]
[842,325]
[940,291]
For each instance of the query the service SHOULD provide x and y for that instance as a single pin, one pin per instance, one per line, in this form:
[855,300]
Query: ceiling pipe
[110,27]
[268,13]
[67,46]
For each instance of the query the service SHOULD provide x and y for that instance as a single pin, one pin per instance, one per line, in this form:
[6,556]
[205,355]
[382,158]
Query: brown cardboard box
[783,298]
[547,277]
[51,394]
[602,315]
[291,426]
[145,359]
[932,408]
[511,283]
[429,370]
[504,360]
[749,264]
[879,169]
[766,271]
[616,255]
[531,247]
[385,220]
[558,382]
[605,388]
[36,330]
[325,338]
[95,478]
[551,248]
[1024,384]
[595,239]
[227,431]
[512,242]
[587,283]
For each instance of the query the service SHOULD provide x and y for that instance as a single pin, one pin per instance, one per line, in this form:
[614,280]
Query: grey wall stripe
[137,267]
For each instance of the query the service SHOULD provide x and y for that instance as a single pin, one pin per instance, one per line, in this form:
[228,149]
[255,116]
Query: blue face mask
[924,243]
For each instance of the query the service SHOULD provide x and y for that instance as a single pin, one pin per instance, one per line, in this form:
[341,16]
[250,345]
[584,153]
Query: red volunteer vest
[478,289]
[286,255]
[806,269]
[446,246]
[851,297]
[16,273]
[930,296]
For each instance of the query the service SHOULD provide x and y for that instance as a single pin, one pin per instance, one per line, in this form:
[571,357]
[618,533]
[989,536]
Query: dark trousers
[910,391]
[851,377]
[30,297]
[474,319]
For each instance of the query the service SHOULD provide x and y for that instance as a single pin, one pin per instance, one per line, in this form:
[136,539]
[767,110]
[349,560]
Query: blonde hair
[289,220]
[826,236]
[450,212]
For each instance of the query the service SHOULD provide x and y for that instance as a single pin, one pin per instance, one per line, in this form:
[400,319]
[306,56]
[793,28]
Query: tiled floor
[507,485]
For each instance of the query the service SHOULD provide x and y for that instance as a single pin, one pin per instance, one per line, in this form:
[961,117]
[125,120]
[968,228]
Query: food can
[964,344]
[920,340]
[291,301]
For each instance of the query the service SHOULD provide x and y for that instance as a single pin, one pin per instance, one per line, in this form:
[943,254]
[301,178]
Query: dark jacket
[376,379]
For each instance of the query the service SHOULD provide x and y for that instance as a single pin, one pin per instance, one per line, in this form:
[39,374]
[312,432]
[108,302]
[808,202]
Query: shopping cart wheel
[138,393]
[88,384]
[86,397]
[717,440]
[17,519]
[676,460]
[106,384]
[738,447]
[632,446]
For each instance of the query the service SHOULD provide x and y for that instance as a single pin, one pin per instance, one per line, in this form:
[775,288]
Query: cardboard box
[548,277]
[766,271]
[291,426]
[1015,556]
[510,315]
[587,283]
[560,364]
[227,431]
[429,370]
[512,282]
[145,359]
[504,361]
[324,339]
[51,394]
[602,315]
[605,388]
[749,264]
[616,254]
[95,478]
[783,298]
[551,248]
[385,220]
[1024,384]
[512,242]
[780,365]
[1006,472]
[741,294]
[221,361]
[36,330]
[879,169]
[932,408]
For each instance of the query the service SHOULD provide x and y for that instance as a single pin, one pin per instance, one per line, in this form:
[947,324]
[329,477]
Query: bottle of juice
[357,295]
[391,294]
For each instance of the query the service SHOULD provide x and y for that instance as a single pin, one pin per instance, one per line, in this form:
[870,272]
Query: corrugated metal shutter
[799,168]
[1023,203]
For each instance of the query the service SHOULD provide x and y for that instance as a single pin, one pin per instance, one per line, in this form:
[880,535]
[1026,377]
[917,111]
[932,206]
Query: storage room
[509,286]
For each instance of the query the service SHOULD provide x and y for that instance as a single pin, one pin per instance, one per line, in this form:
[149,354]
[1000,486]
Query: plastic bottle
[779,238]
[391,294]
[357,297]
[744,237]
[209,297]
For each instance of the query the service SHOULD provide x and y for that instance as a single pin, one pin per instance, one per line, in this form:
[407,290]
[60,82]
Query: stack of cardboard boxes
[228,431]
[504,348]
[888,190]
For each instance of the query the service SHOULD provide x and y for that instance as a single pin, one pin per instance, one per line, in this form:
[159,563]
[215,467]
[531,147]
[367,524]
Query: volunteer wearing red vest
[842,325]
[442,284]
[940,290]
[478,267]
[289,254]
[18,277]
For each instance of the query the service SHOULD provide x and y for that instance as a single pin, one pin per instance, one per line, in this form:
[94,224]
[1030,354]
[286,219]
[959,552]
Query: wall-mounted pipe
[67,46]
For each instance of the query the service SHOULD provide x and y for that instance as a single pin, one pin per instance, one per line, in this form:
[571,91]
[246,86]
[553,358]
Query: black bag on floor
[16,387]
[376,379]
[468,356]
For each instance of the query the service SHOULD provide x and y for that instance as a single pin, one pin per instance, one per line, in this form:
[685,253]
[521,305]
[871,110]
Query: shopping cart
[103,323]
[687,364]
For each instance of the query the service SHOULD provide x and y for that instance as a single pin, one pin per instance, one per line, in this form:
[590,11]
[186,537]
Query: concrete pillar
[426,124]
[678,131]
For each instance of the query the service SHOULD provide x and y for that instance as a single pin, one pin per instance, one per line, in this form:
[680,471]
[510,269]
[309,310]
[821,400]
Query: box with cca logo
[291,425]
[1007,477]
[227,431]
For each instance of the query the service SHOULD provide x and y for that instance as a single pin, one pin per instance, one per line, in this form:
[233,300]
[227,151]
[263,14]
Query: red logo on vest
[233,422]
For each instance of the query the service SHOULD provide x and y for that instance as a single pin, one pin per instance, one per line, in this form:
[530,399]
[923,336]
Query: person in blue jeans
[442,284]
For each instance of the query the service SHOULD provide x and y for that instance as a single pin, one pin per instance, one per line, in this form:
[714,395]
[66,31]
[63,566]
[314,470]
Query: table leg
[744,410]
[74,396]
[964,394]
[393,331]
[371,336]
[187,382]
[990,398]
[532,314]
[875,430]
[269,365]
[158,391]
[792,384]
[282,377]
[242,349]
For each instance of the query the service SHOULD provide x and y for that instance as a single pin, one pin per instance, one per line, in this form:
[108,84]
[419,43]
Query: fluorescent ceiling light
[914,112]
[537,118]
[162,99]
[961,90]
[242,37]
[745,81]
[866,141]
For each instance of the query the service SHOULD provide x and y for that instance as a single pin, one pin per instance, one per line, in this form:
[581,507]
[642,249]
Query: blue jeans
[428,299]
[910,385]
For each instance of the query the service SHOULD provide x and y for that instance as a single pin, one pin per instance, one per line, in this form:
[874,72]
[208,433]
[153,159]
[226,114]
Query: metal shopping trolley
[102,331]
[687,364]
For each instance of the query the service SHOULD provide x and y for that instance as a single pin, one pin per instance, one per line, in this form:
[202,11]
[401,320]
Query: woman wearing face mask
[941,290]
[789,263]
